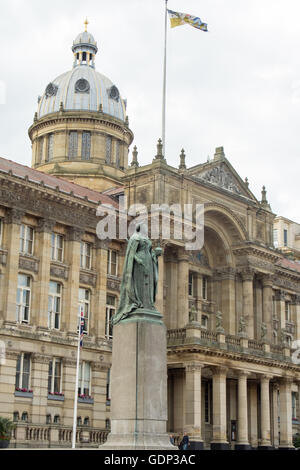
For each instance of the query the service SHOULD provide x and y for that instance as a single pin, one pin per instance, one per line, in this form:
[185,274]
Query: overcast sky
[237,86]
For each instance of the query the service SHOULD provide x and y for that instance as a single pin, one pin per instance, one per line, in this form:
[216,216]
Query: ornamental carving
[59,271]
[3,257]
[82,86]
[199,258]
[113,284]
[221,177]
[51,90]
[88,278]
[29,264]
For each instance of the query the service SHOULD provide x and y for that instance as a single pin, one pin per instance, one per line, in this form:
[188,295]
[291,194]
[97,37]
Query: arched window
[25,417]
[73,145]
[56,419]
[16,416]
[86,146]
[79,421]
[86,421]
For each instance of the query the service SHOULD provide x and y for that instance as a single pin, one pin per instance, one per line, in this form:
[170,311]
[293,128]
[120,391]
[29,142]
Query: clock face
[51,90]
[82,86]
[113,93]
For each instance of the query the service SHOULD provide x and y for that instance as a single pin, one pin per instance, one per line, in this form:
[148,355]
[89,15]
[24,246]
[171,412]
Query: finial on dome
[86,24]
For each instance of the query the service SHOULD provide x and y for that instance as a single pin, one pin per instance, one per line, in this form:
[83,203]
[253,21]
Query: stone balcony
[28,435]
[193,334]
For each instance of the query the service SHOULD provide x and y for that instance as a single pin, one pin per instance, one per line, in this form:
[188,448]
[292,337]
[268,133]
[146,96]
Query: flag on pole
[177,19]
[81,327]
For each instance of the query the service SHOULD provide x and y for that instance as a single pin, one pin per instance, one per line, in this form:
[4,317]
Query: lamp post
[79,345]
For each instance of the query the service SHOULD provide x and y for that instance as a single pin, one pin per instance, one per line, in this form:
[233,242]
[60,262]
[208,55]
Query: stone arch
[229,218]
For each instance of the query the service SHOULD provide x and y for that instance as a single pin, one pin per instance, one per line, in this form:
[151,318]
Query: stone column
[193,404]
[13,219]
[275,413]
[286,431]
[39,385]
[170,313]
[99,380]
[296,316]
[182,289]
[242,442]
[159,304]
[258,309]
[267,306]
[219,441]
[253,415]
[248,313]
[43,232]
[72,290]
[7,381]
[101,288]
[228,300]
[69,376]
[178,400]
[265,412]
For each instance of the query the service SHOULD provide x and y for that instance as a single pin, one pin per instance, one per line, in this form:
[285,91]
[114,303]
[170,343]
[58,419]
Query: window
[54,305]
[23,299]
[25,417]
[204,288]
[16,416]
[287,311]
[40,149]
[274,313]
[54,376]
[191,283]
[23,371]
[118,153]
[50,147]
[26,239]
[48,419]
[108,150]
[73,145]
[204,321]
[108,388]
[86,421]
[112,263]
[285,237]
[79,421]
[294,405]
[110,311]
[56,419]
[86,146]
[208,401]
[84,305]
[84,382]
[275,237]
[107,424]
[57,245]
[85,255]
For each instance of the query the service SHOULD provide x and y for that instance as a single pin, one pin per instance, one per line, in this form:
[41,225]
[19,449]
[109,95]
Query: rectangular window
[204,321]
[57,245]
[54,305]
[84,382]
[287,311]
[26,239]
[285,237]
[208,402]
[85,255]
[108,150]
[54,376]
[110,311]
[275,237]
[118,154]
[191,283]
[73,145]
[108,388]
[274,307]
[50,147]
[204,288]
[23,371]
[84,306]
[86,146]
[112,263]
[294,405]
[23,299]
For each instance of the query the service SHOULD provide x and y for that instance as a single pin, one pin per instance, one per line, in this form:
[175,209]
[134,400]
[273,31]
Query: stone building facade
[232,309]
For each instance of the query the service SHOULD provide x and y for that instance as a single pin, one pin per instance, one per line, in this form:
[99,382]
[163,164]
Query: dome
[82,89]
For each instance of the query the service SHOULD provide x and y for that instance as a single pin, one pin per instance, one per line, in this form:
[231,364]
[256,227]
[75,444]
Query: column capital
[247,274]
[45,225]
[219,370]
[193,367]
[285,380]
[267,280]
[265,377]
[102,244]
[279,295]
[75,234]
[14,216]
[242,373]
[227,273]
[40,358]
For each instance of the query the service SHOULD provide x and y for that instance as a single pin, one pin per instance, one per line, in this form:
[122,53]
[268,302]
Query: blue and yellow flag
[177,19]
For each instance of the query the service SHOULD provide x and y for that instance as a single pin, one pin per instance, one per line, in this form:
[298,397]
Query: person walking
[185,442]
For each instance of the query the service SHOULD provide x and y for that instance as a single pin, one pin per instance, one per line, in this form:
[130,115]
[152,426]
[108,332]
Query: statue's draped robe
[139,280]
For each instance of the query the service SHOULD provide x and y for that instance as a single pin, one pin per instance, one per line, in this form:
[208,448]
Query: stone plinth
[139,385]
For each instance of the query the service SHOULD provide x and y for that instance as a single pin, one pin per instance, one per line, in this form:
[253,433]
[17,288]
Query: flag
[81,327]
[177,19]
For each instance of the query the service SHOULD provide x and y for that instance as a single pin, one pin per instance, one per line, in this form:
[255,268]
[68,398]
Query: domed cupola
[80,130]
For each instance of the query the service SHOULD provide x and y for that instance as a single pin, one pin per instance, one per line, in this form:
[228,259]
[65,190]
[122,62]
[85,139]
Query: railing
[256,345]
[175,335]
[208,335]
[42,436]
[233,340]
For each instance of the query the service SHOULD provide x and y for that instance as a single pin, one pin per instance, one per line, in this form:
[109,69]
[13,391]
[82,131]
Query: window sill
[56,397]
[86,400]
[19,393]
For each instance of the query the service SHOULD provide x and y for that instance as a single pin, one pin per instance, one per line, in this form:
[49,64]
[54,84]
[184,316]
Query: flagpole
[76,385]
[164,86]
